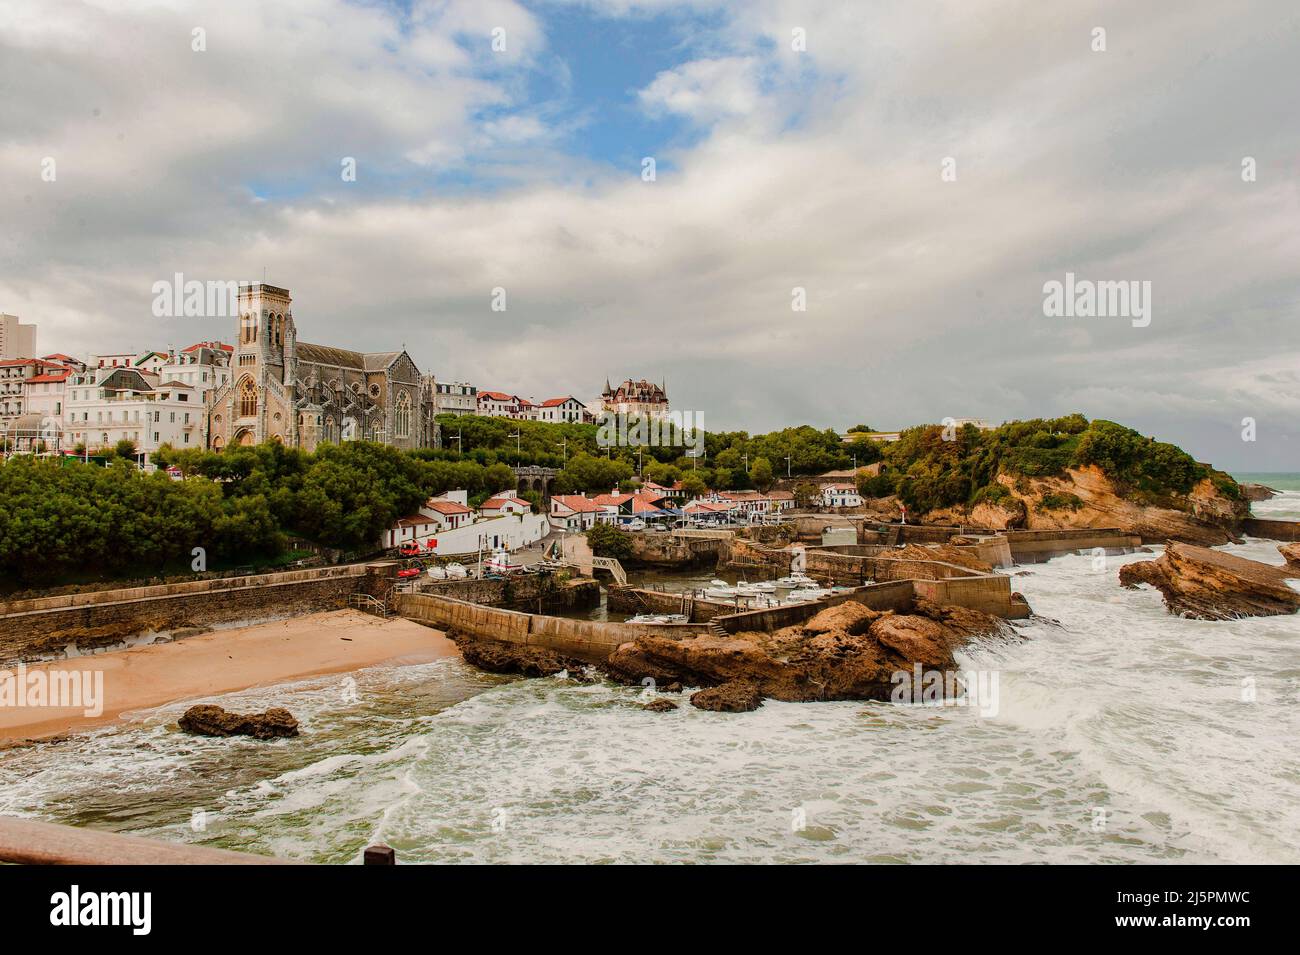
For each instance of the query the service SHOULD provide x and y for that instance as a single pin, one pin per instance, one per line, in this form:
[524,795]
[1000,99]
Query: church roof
[325,355]
[379,360]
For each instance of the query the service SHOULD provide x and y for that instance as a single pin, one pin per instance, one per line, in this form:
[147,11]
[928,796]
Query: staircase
[718,629]
[368,604]
[612,565]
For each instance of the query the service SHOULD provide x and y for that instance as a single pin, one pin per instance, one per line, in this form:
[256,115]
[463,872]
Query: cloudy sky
[775,168]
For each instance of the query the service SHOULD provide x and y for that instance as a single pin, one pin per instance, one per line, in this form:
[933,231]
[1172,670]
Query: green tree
[761,474]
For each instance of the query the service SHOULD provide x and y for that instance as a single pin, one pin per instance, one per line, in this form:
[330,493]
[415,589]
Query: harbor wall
[587,639]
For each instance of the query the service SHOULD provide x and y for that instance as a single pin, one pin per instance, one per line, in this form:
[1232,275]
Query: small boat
[456,571]
[759,587]
[796,581]
[806,594]
[437,572]
[408,572]
[658,618]
[500,563]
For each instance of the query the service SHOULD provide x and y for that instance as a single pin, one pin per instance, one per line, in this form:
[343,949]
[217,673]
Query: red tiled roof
[611,499]
[197,345]
[556,402]
[577,502]
[59,356]
[409,519]
[710,505]
[839,487]
[496,396]
[50,377]
[495,503]
[781,495]
[448,507]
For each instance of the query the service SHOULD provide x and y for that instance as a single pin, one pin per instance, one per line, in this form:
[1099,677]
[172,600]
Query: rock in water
[1257,492]
[496,656]
[660,706]
[1208,585]
[209,720]
[1291,553]
[737,696]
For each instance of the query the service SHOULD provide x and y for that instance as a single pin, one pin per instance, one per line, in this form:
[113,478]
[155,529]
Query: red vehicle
[408,573]
[409,549]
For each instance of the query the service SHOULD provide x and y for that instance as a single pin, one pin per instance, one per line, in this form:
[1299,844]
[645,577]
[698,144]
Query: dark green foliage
[606,540]
[928,472]
[1060,502]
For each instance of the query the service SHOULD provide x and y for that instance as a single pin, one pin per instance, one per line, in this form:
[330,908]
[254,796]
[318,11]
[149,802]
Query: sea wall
[1271,530]
[1029,547]
[33,629]
[586,639]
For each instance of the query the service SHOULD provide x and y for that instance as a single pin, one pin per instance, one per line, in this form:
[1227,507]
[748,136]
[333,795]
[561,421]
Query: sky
[918,169]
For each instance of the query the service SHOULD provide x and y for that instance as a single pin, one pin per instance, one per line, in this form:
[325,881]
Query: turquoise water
[1281,481]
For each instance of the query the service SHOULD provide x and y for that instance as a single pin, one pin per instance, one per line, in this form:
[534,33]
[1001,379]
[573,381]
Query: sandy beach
[225,661]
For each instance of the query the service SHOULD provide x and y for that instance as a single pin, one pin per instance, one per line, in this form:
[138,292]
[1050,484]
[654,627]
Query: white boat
[658,618]
[720,593]
[796,581]
[759,587]
[456,571]
[500,563]
[437,572]
[805,594]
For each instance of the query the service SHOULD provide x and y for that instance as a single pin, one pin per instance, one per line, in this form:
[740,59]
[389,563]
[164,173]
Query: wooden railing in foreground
[27,842]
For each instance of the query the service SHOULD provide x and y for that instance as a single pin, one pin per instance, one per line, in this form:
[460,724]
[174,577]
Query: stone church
[301,394]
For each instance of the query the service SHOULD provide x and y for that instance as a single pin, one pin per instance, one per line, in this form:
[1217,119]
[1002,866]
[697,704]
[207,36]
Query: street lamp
[518,452]
[564,446]
[787,465]
[460,447]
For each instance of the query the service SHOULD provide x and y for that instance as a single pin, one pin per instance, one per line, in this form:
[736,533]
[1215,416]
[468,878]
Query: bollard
[379,855]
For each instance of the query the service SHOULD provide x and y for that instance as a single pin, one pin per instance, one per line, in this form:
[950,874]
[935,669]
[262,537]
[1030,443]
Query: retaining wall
[108,617]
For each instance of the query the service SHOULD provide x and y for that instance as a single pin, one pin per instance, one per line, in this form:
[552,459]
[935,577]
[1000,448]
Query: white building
[504,504]
[841,495]
[498,404]
[106,405]
[573,512]
[567,409]
[454,397]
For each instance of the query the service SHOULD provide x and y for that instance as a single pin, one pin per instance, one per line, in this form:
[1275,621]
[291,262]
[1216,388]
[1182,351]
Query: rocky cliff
[1086,497]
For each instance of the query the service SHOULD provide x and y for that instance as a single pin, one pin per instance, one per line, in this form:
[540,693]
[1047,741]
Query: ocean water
[1123,735]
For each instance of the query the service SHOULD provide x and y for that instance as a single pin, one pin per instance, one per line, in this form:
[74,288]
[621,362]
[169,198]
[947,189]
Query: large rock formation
[737,696]
[1086,497]
[209,720]
[845,652]
[1209,585]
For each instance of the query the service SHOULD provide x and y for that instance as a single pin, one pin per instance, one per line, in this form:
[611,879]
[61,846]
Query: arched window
[402,417]
[247,399]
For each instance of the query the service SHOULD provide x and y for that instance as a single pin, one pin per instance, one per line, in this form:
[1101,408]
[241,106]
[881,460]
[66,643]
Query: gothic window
[402,419]
[247,399]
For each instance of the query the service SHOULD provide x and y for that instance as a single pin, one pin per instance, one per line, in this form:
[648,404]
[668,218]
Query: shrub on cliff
[606,540]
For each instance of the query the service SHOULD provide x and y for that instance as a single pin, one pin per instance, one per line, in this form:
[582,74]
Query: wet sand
[225,661]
